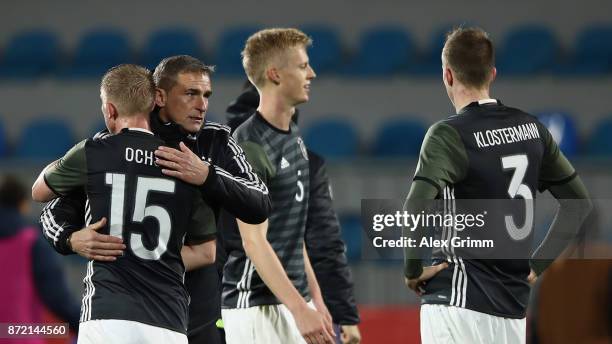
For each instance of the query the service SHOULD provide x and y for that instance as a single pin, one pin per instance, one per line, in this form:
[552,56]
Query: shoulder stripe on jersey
[215,125]
[242,162]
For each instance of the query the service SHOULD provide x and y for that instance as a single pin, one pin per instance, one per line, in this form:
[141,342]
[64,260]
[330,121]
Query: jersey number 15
[144,185]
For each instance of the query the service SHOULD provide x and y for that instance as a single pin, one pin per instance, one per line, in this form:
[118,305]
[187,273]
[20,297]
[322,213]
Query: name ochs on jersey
[153,213]
[146,157]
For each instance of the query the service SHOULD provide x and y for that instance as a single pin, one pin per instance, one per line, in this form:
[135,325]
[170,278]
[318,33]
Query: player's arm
[197,256]
[235,186]
[200,245]
[558,176]
[41,192]
[326,250]
[271,271]
[62,176]
[315,291]
[442,161]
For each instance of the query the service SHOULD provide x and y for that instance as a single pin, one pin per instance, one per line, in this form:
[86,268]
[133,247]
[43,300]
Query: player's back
[497,140]
[497,153]
[152,213]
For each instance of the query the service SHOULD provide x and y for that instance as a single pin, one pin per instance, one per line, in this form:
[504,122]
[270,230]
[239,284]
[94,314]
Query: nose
[311,73]
[202,104]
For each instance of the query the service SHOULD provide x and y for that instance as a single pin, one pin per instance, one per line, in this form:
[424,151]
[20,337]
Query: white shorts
[269,324]
[450,324]
[126,332]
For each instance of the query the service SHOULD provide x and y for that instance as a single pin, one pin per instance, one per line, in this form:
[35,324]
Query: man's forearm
[197,256]
[313,284]
[420,191]
[268,266]
[575,206]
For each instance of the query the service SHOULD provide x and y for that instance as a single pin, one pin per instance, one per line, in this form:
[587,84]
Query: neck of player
[276,110]
[135,121]
[464,96]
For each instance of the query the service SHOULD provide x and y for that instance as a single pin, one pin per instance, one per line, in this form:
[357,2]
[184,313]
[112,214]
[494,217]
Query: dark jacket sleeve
[233,185]
[62,217]
[326,249]
[51,285]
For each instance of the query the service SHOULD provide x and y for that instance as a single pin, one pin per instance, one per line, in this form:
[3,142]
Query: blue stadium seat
[382,51]
[30,54]
[96,52]
[352,235]
[592,53]
[600,141]
[399,137]
[563,129]
[430,62]
[528,50]
[47,138]
[3,141]
[326,52]
[332,138]
[169,42]
[229,47]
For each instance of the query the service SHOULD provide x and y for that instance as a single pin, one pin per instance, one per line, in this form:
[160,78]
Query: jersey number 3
[519,164]
[144,185]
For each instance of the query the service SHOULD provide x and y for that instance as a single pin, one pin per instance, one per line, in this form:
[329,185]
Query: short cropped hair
[470,54]
[130,88]
[12,192]
[167,71]
[265,44]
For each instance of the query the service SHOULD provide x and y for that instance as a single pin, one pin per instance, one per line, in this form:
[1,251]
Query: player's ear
[493,74]
[448,77]
[111,110]
[273,75]
[160,97]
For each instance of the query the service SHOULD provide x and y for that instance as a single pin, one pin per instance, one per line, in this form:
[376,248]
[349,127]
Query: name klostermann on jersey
[494,137]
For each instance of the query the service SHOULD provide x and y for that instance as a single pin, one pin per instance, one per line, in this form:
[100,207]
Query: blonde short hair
[265,44]
[130,88]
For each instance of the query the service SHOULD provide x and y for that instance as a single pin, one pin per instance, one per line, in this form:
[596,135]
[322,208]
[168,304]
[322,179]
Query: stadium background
[378,88]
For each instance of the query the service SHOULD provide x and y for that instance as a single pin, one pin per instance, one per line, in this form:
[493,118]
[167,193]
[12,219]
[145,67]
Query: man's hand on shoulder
[182,164]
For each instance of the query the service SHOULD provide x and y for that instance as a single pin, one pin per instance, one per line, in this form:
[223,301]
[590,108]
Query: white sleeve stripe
[52,228]
[49,231]
[251,185]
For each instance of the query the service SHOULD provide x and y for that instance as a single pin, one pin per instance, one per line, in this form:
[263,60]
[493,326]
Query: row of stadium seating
[380,51]
[334,137]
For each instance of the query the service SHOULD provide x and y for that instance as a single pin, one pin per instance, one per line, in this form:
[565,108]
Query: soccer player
[183,90]
[468,156]
[268,279]
[324,244]
[139,297]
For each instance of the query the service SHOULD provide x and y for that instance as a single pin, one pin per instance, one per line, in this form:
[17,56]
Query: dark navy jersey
[153,213]
[493,152]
